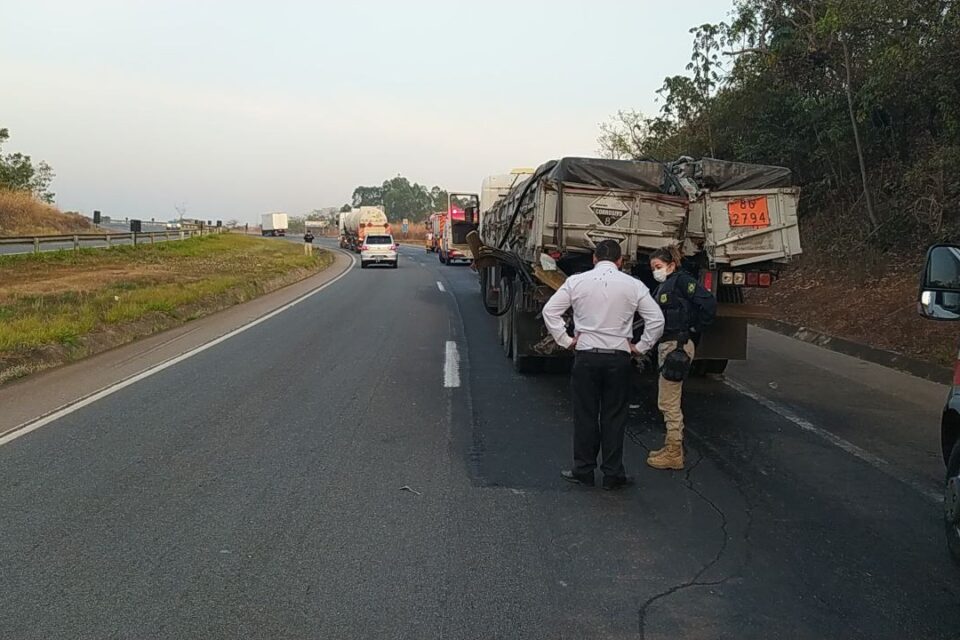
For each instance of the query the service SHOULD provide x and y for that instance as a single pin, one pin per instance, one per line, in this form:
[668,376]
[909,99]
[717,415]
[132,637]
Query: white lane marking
[874,461]
[27,427]
[451,366]
[440,286]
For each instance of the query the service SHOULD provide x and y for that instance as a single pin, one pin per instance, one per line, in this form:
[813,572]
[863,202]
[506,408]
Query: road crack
[696,580]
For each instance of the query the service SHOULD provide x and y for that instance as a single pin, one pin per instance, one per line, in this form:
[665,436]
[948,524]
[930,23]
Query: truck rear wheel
[504,324]
[701,368]
[522,325]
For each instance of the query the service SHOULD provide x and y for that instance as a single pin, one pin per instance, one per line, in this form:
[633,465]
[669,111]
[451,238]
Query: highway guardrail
[135,238]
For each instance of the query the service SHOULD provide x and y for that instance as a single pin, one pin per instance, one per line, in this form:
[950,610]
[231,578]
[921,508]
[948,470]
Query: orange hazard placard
[749,212]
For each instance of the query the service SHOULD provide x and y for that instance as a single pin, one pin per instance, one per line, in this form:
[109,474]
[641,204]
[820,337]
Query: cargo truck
[273,224]
[359,223]
[462,217]
[735,223]
[432,238]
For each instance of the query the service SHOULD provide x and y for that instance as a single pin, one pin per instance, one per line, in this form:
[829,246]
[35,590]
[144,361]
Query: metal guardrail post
[76,243]
[153,238]
[36,245]
[109,241]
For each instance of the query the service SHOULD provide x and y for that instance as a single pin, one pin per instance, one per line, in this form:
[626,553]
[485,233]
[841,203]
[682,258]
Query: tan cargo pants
[668,400]
[307,249]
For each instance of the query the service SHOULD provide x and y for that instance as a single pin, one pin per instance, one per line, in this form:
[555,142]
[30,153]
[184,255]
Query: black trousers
[601,388]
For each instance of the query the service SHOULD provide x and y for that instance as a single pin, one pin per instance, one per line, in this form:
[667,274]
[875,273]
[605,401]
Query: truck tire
[522,363]
[951,503]
[487,277]
[504,326]
[363,265]
[701,368]
[440,255]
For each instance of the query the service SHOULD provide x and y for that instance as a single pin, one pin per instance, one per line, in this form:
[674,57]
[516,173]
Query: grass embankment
[58,307]
[21,214]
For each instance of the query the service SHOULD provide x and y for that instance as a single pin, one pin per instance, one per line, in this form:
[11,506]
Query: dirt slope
[22,214]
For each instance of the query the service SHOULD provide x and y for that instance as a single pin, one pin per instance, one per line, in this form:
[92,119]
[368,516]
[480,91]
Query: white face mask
[660,275]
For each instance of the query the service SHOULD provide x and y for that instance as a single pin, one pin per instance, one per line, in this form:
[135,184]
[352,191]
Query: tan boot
[671,458]
[657,453]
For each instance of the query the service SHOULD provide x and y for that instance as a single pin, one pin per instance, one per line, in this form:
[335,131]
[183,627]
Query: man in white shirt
[604,302]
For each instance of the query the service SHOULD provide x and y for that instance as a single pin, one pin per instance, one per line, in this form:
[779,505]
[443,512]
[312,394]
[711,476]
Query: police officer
[605,301]
[308,243]
[687,308]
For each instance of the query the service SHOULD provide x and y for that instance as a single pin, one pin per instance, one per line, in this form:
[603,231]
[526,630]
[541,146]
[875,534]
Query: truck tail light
[753,279]
[765,279]
[708,281]
[739,279]
[726,277]
[556,255]
[364,247]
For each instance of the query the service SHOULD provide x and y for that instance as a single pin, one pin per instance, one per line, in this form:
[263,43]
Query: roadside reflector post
[36,245]
[153,238]
[76,243]
[109,241]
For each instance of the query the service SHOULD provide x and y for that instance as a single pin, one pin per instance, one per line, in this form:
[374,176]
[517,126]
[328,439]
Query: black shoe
[614,484]
[570,476]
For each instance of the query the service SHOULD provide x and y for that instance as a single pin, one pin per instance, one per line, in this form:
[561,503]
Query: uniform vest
[674,297]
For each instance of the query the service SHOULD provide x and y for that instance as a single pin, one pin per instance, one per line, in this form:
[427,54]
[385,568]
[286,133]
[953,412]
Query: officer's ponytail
[669,255]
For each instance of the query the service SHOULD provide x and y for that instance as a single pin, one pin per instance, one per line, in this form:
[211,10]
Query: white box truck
[273,224]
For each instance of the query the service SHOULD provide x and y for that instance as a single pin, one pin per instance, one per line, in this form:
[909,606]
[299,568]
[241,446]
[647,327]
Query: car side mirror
[939,296]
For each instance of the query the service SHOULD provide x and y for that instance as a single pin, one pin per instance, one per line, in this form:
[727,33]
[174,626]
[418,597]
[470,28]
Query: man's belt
[606,352]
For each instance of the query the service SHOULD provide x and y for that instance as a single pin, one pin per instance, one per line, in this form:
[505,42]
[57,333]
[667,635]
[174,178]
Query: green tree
[18,172]
[346,208]
[367,196]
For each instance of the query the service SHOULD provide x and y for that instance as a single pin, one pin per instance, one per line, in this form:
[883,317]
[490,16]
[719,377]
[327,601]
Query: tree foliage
[401,199]
[823,87]
[19,173]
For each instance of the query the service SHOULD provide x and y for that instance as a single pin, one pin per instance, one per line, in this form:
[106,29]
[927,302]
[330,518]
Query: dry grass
[56,307]
[880,311]
[22,214]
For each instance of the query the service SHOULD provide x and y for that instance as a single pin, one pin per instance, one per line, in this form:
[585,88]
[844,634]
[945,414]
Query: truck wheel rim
[951,501]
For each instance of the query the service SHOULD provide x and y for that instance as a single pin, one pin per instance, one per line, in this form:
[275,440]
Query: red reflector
[765,279]
[708,281]
[555,255]
[753,279]
[956,373]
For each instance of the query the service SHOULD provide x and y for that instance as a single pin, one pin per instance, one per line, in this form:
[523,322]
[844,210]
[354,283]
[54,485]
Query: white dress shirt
[604,301]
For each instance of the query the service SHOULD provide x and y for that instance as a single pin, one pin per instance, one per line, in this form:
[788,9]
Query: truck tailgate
[748,227]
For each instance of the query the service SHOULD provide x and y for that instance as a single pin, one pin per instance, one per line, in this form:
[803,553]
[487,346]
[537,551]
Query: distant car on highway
[173,225]
[939,299]
[378,249]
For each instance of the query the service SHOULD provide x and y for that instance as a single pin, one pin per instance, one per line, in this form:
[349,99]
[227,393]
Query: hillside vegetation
[21,213]
[860,99]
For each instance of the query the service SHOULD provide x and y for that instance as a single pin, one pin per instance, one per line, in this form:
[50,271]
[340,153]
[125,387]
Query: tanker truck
[359,223]
[735,223]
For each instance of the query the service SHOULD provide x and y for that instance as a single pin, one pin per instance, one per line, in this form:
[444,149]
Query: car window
[379,240]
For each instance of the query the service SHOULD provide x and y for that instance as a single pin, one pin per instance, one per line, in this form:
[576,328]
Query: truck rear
[545,229]
[462,217]
[273,224]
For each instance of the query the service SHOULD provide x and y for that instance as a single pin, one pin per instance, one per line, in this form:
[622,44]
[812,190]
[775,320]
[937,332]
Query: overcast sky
[242,107]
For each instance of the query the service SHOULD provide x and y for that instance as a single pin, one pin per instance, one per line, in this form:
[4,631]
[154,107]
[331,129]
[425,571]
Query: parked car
[939,299]
[378,249]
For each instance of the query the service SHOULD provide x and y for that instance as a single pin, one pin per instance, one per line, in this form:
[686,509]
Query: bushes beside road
[57,307]
[23,214]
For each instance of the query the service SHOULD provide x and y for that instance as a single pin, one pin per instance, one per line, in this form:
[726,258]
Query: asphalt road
[255,490]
